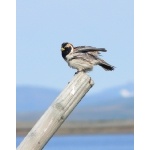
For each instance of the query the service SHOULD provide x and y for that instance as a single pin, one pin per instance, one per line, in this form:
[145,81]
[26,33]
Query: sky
[42,26]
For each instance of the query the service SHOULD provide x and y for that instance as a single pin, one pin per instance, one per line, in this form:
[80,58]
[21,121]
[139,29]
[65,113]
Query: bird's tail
[105,65]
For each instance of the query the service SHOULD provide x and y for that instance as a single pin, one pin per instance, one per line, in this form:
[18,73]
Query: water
[89,142]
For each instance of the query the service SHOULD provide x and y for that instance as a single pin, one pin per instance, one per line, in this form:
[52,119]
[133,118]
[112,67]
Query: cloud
[126,93]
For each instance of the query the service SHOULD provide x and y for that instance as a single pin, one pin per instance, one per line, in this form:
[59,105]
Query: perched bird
[83,58]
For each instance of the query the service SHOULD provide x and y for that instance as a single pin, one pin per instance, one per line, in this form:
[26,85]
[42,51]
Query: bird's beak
[62,49]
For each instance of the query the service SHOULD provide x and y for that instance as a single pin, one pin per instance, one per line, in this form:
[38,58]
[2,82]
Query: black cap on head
[64,44]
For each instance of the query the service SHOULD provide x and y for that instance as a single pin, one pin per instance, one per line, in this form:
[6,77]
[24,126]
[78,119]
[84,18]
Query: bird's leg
[79,71]
[76,72]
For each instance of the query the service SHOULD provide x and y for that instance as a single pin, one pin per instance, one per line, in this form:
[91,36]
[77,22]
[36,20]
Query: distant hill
[32,99]
[113,103]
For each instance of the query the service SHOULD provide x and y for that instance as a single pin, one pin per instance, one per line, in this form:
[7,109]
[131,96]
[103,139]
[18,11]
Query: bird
[83,58]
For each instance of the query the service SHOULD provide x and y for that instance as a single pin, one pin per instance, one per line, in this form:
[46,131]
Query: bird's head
[66,48]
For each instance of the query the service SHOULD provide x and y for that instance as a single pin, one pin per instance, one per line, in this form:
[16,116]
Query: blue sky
[42,26]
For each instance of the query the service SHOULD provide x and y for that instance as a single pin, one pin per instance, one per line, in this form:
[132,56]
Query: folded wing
[88,48]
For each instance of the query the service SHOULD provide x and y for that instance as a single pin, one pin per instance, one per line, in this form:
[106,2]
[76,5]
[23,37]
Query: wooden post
[56,114]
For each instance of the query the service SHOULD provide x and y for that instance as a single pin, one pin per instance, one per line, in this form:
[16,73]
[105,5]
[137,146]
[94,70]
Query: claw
[79,71]
[76,72]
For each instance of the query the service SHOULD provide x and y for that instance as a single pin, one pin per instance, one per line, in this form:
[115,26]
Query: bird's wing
[88,49]
[88,56]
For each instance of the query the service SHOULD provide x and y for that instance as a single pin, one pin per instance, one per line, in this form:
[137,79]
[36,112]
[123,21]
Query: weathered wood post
[56,114]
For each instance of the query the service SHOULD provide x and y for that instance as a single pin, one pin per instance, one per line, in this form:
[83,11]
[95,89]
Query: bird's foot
[76,72]
[79,71]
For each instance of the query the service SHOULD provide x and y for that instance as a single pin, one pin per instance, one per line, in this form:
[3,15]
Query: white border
[141,74]
[8,74]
